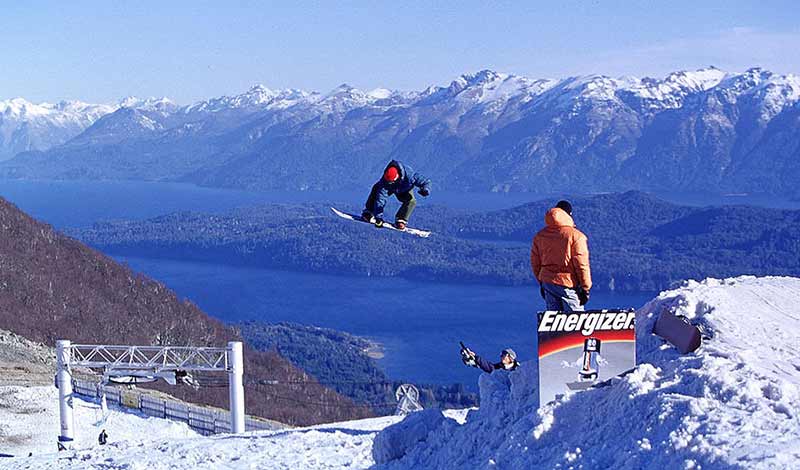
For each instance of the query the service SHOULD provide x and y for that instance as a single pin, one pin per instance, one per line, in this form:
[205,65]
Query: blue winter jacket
[489,366]
[404,184]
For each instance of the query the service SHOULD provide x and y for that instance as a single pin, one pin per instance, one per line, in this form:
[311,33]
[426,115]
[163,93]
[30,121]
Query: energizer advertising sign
[577,350]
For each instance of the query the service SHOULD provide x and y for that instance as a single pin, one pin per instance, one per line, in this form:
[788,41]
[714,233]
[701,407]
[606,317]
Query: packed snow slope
[734,403]
[29,423]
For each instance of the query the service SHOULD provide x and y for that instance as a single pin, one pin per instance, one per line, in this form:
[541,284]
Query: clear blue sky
[101,51]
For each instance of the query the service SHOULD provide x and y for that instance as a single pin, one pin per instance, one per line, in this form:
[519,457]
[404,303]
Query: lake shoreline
[419,320]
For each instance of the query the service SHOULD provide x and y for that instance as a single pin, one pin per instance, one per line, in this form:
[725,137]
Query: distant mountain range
[704,130]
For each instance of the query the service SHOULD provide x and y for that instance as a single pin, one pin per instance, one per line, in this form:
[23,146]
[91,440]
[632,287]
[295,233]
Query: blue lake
[419,324]
[81,203]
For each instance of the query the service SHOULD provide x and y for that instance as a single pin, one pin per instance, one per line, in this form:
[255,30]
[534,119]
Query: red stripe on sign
[569,341]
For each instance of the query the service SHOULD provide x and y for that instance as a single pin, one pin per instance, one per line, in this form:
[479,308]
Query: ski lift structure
[407,399]
[131,365]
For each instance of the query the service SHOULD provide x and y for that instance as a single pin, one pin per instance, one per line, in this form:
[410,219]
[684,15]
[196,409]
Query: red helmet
[391,174]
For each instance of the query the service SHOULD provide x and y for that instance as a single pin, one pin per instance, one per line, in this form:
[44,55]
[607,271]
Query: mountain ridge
[485,131]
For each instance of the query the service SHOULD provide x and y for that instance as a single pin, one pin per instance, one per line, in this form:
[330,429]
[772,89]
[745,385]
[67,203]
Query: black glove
[467,356]
[366,216]
[424,192]
[583,296]
[541,291]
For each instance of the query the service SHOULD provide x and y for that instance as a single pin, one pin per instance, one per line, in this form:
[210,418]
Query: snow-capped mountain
[161,107]
[26,126]
[706,129]
[133,118]
[258,97]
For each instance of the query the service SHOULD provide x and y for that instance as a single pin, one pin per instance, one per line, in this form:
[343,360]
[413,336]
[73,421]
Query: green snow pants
[409,203]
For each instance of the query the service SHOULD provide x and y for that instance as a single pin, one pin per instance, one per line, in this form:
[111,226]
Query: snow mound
[397,439]
[734,403]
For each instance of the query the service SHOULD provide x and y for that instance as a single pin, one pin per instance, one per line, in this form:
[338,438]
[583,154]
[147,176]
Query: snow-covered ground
[29,423]
[735,403]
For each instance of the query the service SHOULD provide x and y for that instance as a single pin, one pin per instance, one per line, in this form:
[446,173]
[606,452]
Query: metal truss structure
[137,364]
[150,358]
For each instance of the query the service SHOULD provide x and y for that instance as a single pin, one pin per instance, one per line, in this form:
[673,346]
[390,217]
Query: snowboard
[590,366]
[388,225]
[580,385]
[678,331]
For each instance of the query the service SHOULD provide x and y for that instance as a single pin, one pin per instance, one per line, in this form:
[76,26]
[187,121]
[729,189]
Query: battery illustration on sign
[590,365]
[580,349]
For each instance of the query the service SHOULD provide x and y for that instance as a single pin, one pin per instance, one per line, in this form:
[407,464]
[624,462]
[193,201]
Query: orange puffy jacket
[560,253]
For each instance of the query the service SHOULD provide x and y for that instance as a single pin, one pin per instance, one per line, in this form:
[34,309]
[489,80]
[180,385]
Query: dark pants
[407,199]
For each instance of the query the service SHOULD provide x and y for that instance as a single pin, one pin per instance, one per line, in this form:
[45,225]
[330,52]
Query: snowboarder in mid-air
[508,360]
[398,179]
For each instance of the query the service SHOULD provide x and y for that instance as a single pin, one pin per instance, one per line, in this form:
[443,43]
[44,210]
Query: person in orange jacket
[560,261]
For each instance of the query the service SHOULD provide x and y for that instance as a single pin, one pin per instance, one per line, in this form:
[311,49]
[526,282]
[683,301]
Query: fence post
[64,384]
[235,374]
[101,392]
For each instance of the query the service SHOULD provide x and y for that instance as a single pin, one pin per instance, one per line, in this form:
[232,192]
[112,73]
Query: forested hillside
[637,242]
[341,361]
[54,287]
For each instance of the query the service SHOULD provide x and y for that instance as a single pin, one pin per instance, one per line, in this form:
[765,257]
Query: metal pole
[64,384]
[235,373]
[101,392]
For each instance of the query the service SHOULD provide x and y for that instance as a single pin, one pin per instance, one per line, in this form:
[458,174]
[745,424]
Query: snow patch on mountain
[20,108]
[27,126]
[499,87]
[380,93]
[258,97]
[345,98]
[734,403]
[163,106]
[774,94]
[671,91]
